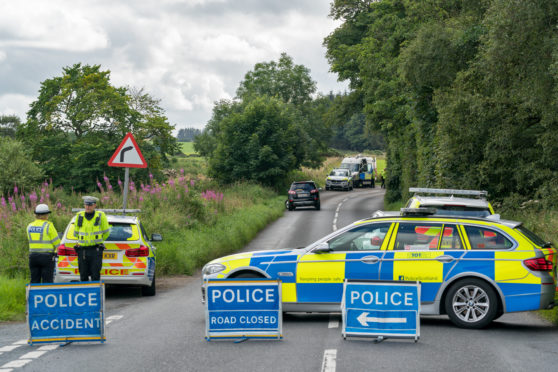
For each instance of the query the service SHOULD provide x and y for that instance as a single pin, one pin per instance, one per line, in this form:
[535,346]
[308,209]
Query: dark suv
[304,194]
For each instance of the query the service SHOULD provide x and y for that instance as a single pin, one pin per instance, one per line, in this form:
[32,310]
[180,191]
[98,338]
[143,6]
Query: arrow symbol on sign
[124,151]
[363,319]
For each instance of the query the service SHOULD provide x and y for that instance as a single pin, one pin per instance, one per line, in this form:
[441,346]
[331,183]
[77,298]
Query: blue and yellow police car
[473,269]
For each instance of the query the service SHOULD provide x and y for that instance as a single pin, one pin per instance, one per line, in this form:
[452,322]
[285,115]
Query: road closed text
[244,320]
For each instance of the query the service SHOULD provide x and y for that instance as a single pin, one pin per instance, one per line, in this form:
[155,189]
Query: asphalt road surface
[166,332]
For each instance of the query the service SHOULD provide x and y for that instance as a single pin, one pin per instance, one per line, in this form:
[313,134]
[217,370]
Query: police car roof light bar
[479,193]
[123,211]
[418,211]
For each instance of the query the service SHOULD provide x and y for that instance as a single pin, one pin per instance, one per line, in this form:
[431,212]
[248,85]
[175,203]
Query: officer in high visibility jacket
[43,241]
[91,229]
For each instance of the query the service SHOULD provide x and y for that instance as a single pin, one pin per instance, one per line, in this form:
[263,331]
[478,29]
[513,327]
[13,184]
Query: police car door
[420,252]
[353,254]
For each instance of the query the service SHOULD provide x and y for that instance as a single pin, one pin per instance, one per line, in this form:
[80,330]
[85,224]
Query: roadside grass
[12,298]
[187,148]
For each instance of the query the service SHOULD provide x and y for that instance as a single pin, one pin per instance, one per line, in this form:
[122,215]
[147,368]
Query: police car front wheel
[471,303]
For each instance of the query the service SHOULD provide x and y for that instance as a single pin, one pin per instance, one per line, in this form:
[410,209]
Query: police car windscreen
[120,232]
[338,173]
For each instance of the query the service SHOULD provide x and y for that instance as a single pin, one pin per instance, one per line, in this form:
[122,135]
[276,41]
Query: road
[166,332]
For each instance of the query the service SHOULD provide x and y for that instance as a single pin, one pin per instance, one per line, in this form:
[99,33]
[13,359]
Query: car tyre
[471,303]
[149,290]
[317,205]
[291,207]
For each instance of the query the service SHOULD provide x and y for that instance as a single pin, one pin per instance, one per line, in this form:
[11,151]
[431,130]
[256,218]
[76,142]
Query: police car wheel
[149,290]
[471,303]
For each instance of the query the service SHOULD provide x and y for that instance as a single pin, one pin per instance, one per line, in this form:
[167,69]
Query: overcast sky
[188,53]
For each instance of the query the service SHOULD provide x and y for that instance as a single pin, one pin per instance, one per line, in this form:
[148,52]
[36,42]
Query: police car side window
[363,238]
[143,232]
[483,238]
[417,237]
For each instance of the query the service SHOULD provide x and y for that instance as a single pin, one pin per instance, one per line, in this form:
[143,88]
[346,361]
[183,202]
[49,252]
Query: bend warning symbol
[128,154]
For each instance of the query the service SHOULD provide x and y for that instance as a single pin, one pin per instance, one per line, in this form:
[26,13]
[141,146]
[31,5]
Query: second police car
[129,256]
[472,269]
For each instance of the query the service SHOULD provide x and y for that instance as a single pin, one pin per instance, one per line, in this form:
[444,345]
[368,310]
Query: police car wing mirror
[322,248]
[156,237]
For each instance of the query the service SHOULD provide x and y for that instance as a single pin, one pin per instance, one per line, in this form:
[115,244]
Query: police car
[339,179]
[129,256]
[472,269]
[451,202]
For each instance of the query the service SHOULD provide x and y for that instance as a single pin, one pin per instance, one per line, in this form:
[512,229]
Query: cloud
[187,53]
[15,104]
[50,25]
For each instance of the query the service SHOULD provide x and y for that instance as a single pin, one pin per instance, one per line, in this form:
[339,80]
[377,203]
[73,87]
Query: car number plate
[109,255]
[303,194]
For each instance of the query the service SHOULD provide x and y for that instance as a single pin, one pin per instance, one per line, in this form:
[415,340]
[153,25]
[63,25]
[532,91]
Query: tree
[17,167]
[9,125]
[79,119]
[256,142]
[187,134]
[283,79]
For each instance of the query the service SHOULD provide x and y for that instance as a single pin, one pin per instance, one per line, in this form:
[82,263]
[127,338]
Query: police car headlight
[213,268]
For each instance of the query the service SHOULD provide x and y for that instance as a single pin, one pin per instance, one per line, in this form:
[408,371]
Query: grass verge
[12,298]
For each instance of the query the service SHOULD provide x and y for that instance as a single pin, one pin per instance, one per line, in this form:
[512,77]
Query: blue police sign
[381,309]
[71,312]
[249,308]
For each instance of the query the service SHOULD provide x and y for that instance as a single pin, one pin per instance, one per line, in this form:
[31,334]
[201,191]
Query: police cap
[42,209]
[90,200]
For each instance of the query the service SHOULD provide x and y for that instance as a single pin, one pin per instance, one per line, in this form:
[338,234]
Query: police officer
[43,241]
[91,229]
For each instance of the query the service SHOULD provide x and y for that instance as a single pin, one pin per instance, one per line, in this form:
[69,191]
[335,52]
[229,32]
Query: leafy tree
[256,142]
[9,125]
[283,79]
[79,119]
[17,167]
[187,134]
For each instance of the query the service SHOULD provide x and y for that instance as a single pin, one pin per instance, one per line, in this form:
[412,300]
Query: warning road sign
[128,154]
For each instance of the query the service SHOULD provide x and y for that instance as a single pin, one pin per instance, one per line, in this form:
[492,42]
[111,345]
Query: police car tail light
[142,251]
[538,264]
[66,251]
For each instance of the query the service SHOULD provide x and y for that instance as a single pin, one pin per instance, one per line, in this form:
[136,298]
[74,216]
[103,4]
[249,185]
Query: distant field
[187,147]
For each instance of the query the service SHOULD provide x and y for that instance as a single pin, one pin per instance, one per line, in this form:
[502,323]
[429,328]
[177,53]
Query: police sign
[66,312]
[249,308]
[381,309]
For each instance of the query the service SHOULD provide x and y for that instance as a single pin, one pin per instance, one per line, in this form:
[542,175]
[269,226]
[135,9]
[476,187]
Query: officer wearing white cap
[43,241]
[91,229]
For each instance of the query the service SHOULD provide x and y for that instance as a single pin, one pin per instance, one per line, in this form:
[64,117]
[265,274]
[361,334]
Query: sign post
[381,309]
[243,309]
[127,155]
[66,312]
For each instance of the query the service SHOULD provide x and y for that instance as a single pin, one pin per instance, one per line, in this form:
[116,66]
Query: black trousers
[41,266]
[90,262]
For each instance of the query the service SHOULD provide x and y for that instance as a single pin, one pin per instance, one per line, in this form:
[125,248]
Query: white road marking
[5,370]
[49,347]
[33,354]
[16,363]
[329,363]
[9,348]
[21,342]
[333,324]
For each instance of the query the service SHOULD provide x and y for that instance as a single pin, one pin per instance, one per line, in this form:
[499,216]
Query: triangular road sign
[128,154]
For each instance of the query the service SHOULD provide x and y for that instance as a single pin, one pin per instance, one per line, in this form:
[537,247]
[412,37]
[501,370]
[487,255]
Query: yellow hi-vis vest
[93,231]
[42,236]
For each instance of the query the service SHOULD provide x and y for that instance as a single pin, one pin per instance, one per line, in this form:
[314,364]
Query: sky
[187,53]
